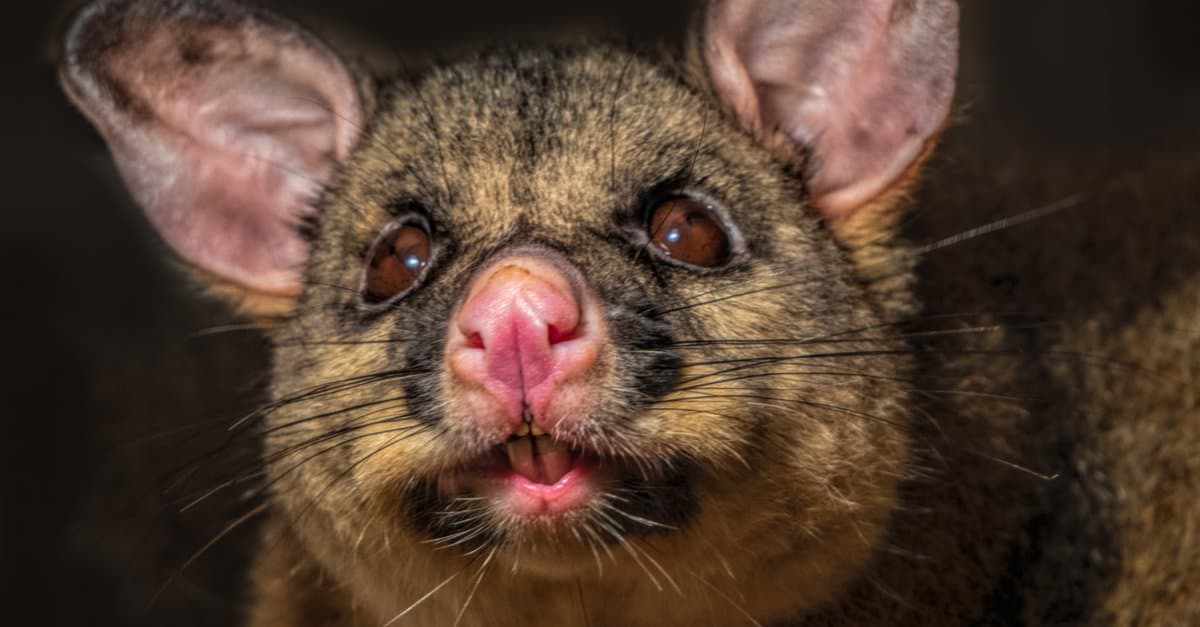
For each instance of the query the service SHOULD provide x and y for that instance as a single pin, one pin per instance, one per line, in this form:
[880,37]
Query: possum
[583,334]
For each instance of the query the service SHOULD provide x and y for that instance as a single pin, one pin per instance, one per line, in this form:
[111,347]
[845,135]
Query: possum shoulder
[1115,278]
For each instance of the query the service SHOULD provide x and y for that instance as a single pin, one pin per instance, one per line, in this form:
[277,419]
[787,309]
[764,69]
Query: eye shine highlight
[397,262]
[687,230]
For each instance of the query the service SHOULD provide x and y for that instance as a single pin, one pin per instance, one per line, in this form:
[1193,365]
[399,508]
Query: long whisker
[735,605]
[587,622]
[238,522]
[624,542]
[279,455]
[1005,223]
[475,586]
[423,598]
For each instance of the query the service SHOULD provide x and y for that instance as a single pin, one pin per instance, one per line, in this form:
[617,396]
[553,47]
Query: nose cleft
[522,334]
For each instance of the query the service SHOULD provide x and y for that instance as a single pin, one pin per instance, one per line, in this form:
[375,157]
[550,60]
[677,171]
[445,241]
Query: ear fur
[225,122]
[863,86]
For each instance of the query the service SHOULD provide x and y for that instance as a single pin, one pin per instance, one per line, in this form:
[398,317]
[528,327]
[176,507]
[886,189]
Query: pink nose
[524,338]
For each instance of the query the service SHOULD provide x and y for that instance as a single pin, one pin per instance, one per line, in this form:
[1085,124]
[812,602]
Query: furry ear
[864,84]
[224,121]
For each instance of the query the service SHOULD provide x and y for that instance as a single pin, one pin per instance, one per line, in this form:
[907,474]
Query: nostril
[524,341]
[558,335]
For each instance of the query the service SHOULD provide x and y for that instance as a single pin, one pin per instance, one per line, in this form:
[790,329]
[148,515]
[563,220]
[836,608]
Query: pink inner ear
[864,84]
[224,129]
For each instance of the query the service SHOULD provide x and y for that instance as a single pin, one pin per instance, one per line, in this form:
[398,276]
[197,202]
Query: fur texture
[843,427]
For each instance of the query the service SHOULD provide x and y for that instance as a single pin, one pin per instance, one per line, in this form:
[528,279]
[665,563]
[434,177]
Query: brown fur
[892,478]
[818,524]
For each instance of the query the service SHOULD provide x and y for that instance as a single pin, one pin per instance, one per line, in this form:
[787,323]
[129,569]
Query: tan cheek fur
[819,486]
[804,496]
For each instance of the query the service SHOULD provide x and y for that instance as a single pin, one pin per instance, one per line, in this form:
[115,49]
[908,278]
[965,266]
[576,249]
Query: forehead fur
[550,140]
[555,147]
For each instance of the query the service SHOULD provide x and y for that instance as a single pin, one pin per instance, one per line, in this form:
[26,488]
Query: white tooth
[535,430]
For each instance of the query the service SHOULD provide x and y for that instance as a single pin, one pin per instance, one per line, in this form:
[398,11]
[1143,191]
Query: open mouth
[534,482]
[535,456]
[531,474]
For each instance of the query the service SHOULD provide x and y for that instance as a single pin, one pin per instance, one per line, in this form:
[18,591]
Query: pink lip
[530,498]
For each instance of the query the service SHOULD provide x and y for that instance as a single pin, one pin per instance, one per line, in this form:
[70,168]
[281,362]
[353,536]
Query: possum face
[587,303]
[543,305]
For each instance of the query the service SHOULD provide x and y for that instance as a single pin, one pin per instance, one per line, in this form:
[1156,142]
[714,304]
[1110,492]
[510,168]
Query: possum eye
[397,261]
[687,230]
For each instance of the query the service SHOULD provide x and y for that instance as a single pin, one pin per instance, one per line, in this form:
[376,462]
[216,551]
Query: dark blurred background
[121,372]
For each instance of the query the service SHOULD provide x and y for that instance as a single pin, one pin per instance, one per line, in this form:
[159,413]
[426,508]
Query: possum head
[570,310]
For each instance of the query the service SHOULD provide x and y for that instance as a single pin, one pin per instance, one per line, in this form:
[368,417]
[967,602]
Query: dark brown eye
[687,230]
[396,262]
